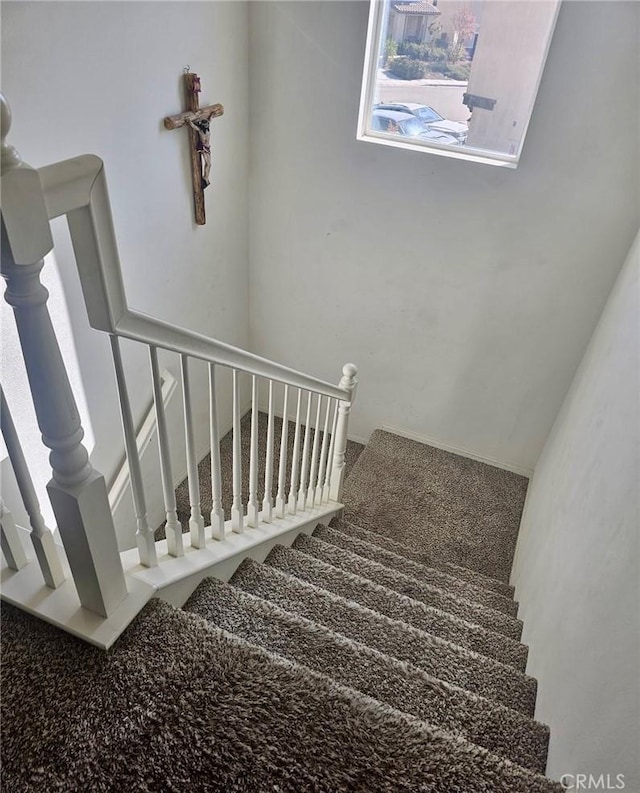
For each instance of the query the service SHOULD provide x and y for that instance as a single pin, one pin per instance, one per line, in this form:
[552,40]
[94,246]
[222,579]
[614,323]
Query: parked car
[430,118]
[406,124]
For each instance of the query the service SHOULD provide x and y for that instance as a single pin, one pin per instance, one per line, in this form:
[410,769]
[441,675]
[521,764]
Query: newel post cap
[10,156]
[348,381]
[24,212]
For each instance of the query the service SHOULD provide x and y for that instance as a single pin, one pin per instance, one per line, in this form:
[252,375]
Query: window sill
[463,153]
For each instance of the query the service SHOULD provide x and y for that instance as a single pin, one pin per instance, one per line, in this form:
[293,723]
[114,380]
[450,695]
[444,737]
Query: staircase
[305,636]
[340,663]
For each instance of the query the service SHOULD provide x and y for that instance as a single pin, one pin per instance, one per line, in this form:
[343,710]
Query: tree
[464,26]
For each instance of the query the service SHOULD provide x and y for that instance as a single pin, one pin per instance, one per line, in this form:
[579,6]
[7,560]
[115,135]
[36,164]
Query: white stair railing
[47,552]
[196,521]
[77,492]
[10,543]
[267,501]
[217,515]
[309,478]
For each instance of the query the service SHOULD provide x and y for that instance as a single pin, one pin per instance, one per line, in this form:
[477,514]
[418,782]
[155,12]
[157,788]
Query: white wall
[99,77]
[576,567]
[466,293]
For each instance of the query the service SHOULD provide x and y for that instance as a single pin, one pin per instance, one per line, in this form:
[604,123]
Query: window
[454,77]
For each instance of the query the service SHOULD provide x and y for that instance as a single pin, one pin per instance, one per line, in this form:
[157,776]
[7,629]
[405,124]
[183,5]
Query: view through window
[459,78]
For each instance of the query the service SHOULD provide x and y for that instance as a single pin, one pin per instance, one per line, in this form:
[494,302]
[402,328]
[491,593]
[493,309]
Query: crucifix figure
[198,119]
[203,129]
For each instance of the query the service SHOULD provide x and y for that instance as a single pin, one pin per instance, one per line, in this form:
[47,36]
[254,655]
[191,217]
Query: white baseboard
[504,464]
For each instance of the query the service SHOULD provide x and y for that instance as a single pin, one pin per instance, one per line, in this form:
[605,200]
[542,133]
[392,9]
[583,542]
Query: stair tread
[438,657]
[422,557]
[399,684]
[224,716]
[429,575]
[393,579]
[399,607]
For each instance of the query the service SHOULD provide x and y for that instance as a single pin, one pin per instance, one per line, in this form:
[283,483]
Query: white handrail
[155,332]
[78,188]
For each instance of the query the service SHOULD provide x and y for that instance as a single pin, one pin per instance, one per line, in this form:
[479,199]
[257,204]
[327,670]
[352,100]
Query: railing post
[78,493]
[41,535]
[10,540]
[348,382]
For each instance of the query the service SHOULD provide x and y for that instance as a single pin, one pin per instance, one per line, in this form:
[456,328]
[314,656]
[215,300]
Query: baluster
[173,529]
[332,446]
[237,519]
[282,468]
[10,540]
[317,495]
[295,459]
[302,492]
[348,382]
[217,513]
[144,535]
[314,454]
[253,508]
[77,491]
[267,502]
[47,553]
[196,521]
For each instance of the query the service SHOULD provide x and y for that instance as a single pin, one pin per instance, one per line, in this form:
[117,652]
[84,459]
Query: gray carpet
[359,660]
[467,610]
[411,553]
[354,450]
[178,705]
[449,662]
[427,575]
[450,507]
[399,607]
[397,683]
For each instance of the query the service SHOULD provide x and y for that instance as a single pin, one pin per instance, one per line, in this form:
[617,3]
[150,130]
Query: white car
[430,118]
[399,122]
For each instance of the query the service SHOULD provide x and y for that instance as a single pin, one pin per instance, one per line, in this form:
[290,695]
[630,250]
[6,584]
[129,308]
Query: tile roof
[421,7]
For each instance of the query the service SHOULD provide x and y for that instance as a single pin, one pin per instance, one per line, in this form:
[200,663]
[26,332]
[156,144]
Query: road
[446,99]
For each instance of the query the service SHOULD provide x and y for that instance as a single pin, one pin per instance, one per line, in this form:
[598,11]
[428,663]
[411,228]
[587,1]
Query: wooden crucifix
[198,120]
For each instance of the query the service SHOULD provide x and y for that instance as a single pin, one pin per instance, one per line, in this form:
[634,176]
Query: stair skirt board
[175,578]
[61,607]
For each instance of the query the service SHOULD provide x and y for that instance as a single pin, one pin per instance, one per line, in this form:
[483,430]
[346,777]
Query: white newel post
[78,493]
[349,383]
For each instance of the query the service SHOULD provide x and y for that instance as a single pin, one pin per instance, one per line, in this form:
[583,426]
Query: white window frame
[367,134]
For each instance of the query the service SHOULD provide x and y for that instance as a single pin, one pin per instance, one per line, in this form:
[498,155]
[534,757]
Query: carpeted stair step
[393,579]
[423,557]
[420,572]
[437,657]
[398,684]
[223,717]
[451,507]
[399,607]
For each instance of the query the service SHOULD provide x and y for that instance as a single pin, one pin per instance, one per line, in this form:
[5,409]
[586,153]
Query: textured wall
[576,566]
[466,293]
[99,77]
